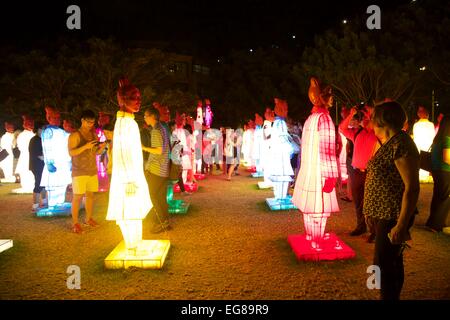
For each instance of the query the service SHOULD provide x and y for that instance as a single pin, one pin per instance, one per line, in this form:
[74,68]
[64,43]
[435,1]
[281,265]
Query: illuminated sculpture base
[64,209]
[258,174]
[200,176]
[280,204]
[428,179]
[8,180]
[446,230]
[5,244]
[175,206]
[22,191]
[251,169]
[264,185]
[150,254]
[189,186]
[331,248]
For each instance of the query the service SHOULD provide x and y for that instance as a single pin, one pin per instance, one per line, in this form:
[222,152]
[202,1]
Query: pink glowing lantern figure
[208,114]
[102,159]
[423,134]
[23,165]
[57,162]
[314,192]
[182,147]
[7,144]
[197,139]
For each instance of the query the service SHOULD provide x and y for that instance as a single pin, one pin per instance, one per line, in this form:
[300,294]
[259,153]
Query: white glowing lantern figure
[126,207]
[23,165]
[57,169]
[423,132]
[6,143]
[280,164]
[199,118]
[265,154]
[258,150]
[197,138]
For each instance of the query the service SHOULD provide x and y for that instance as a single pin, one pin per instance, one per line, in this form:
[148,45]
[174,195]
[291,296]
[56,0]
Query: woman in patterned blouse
[391,193]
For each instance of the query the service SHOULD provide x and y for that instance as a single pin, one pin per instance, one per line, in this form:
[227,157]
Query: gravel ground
[228,246]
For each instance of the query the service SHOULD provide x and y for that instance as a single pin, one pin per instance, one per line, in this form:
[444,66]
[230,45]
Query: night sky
[212,27]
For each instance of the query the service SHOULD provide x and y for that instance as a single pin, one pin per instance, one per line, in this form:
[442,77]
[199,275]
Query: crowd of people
[379,164]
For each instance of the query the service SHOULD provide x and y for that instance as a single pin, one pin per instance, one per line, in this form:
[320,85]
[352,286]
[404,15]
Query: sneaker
[77,228]
[91,222]
[35,208]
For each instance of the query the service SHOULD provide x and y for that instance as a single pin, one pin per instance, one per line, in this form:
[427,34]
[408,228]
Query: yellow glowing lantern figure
[23,165]
[314,192]
[129,199]
[7,144]
[423,133]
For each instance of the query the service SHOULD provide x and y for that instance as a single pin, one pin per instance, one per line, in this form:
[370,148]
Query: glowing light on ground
[149,254]
[5,244]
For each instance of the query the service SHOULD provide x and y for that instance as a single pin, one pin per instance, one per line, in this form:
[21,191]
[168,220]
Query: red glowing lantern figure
[314,193]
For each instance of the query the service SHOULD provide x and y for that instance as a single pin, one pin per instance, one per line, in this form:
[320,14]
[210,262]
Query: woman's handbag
[425,160]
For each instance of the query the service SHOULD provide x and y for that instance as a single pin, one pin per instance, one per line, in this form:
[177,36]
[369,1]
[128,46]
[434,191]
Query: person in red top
[365,144]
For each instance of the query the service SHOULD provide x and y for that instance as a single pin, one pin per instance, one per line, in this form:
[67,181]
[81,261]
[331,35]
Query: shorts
[83,184]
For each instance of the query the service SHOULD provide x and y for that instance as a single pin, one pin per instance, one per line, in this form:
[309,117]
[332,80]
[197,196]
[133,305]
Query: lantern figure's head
[251,124]
[128,96]
[281,108]
[269,115]
[68,126]
[9,127]
[320,96]
[164,112]
[422,112]
[103,119]
[258,120]
[28,123]
[190,121]
[53,116]
[180,120]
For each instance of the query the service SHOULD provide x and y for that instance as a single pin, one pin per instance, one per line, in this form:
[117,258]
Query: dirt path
[228,246]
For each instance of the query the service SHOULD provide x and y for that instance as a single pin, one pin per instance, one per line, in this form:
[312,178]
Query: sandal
[77,228]
[91,223]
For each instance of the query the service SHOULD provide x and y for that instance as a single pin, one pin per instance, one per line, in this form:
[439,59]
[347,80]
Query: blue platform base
[258,174]
[280,204]
[64,209]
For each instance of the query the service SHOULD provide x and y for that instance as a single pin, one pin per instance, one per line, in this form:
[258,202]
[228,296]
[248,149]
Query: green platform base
[178,207]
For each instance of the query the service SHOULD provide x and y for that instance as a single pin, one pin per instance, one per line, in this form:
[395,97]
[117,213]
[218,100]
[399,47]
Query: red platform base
[200,176]
[331,248]
[189,186]
[251,169]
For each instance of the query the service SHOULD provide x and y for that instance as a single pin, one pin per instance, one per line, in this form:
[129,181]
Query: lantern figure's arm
[48,146]
[327,148]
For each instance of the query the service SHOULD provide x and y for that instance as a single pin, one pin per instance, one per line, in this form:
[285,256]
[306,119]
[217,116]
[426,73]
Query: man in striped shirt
[157,170]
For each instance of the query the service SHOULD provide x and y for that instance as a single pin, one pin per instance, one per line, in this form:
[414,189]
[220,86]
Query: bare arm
[408,168]
[344,129]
